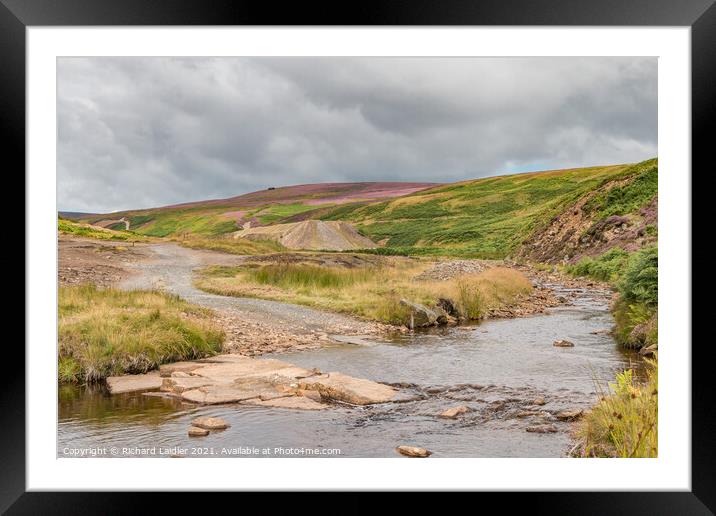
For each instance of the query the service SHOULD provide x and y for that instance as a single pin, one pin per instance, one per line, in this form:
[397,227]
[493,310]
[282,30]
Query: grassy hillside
[218,217]
[488,218]
[68,227]
[620,213]
[539,216]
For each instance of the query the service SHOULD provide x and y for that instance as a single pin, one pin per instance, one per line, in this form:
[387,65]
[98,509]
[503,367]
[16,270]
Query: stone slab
[292,402]
[134,382]
[341,387]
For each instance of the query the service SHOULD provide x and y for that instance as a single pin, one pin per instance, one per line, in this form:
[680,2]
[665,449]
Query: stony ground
[103,263]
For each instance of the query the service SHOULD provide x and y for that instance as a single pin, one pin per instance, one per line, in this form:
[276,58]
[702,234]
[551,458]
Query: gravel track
[253,326]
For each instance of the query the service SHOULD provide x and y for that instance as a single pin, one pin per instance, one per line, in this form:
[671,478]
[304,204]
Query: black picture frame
[17,15]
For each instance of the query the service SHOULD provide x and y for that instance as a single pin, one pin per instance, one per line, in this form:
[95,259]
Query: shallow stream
[497,369]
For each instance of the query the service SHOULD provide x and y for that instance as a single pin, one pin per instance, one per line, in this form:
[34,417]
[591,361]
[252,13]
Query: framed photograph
[429,247]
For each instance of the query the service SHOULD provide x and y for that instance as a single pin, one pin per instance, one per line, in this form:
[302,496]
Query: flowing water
[497,369]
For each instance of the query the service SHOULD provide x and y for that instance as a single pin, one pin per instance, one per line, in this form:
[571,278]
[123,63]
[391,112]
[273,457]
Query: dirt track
[253,326]
[103,263]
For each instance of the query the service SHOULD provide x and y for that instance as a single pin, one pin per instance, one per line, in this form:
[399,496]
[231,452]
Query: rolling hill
[545,216]
[495,217]
[221,216]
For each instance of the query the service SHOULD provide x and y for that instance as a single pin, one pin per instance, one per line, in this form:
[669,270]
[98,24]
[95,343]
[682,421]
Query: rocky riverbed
[265,382]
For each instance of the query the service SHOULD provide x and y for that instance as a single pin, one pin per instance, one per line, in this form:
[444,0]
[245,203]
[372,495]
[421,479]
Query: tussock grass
[111,332]
[369,292]
[299,276]
[241,246]
[625,421]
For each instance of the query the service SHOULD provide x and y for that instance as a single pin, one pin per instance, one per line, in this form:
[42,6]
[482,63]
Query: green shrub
[607,267]
[625,422]
[627,317]
[640,281]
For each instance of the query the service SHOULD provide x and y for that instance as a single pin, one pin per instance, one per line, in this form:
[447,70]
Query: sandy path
[253,326]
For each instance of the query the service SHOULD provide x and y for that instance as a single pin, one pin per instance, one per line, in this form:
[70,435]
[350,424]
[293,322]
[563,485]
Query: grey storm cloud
[145,132]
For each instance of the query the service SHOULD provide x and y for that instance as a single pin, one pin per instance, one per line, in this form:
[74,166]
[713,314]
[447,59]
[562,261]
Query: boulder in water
[413,451]
[195,431]
[563,344]
[568,415]
[210,423]
[420,315]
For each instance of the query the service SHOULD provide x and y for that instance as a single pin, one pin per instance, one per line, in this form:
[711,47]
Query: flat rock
[453,412]
[341,387]
[215,394]
[237,379]
[210,423]
[134,382]
[568,415]
[413,451]
[177,385]
[166,370]
[528,413]
[358,340]
[541,429]
[314,395]
[290,402]
[649,351]
[197,432]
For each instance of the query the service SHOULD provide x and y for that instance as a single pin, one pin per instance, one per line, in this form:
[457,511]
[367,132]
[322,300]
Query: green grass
[640,280]
[189,222]
[607,267]
[68,227]
[240,246]
[277,212]
[636,278]
[625,421]
[112,332]
[300,276]
[635,274]
[485,218]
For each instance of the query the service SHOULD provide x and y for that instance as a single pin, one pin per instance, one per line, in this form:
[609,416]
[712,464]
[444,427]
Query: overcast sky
[145,132]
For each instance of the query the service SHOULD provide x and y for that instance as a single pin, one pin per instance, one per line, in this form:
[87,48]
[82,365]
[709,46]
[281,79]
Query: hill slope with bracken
[521,214]
[621,212]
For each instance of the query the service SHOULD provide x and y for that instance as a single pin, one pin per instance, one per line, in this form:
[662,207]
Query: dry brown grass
[372,293]
[625,421]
